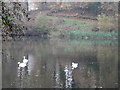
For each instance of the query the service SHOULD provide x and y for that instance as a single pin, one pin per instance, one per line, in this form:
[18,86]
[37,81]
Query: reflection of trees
[108,59]
[12,53]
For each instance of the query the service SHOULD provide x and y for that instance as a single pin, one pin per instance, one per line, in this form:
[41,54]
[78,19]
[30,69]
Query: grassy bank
[83,29]
[70,28]
[83,34]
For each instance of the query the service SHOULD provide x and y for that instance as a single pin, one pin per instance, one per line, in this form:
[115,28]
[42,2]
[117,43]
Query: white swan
[25,60]
[21,65]
[74,65]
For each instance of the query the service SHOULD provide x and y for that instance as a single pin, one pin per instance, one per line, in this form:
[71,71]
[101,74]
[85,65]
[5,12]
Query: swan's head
[18,62]
[72,63]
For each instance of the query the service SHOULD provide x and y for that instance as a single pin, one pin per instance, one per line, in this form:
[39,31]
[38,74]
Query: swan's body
[25,60]
[21,65]
[74,65]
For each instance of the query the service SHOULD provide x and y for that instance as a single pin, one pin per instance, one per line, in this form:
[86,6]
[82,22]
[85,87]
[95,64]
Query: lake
[50,63]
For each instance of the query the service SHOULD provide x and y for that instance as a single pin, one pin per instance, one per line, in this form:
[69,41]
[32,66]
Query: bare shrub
[107,23]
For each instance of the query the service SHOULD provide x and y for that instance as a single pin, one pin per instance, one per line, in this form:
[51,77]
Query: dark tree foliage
[13,18]
[94,7]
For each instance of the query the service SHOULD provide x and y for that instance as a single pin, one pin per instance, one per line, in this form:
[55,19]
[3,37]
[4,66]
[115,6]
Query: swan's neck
[18,63]
[24,57]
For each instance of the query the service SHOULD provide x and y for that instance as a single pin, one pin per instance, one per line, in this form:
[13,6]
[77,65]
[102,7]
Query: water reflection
[68,76]
[22,75]
[60,63]
[30,64]
[57,75]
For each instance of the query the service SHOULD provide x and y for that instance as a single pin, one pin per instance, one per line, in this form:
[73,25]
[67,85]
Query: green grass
[99,34]
[74,21]
[83,25]
[85,29]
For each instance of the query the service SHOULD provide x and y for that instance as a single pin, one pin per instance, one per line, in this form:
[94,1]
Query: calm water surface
[50,64]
